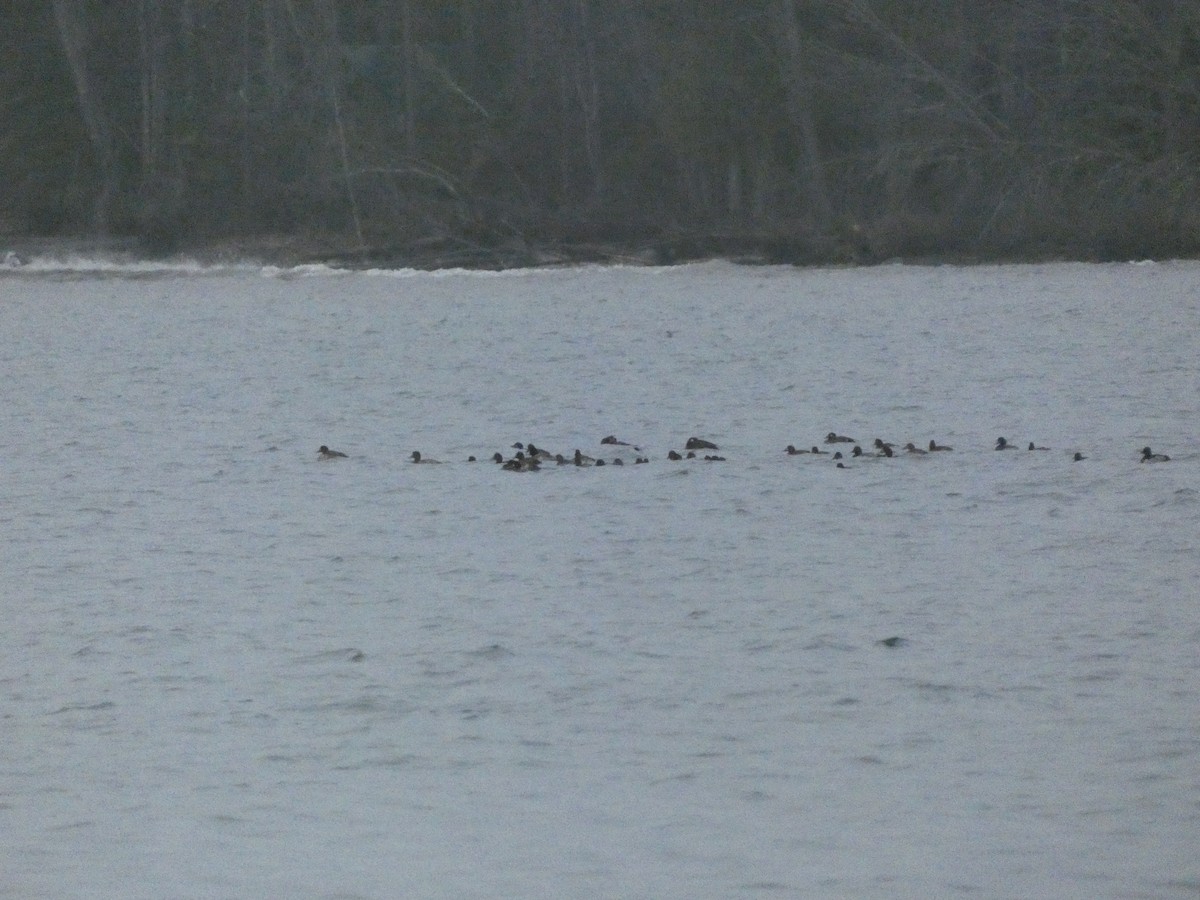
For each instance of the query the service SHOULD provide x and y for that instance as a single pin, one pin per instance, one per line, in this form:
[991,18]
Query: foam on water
[232,669]
[77,264]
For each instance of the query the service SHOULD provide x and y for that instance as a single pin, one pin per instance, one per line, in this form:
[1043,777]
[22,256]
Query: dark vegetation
[480,132]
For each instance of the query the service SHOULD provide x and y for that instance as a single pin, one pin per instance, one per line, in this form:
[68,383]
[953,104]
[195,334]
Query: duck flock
[530,458]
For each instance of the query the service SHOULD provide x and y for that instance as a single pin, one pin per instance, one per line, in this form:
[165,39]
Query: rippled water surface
[231,669]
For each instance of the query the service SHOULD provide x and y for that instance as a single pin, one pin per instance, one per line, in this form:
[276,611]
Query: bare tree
[799,83]
[71,19]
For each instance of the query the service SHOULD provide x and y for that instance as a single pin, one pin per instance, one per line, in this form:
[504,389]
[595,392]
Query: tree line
[496,132]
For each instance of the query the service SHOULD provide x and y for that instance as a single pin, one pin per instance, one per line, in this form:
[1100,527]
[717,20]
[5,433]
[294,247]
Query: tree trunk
[798,89]
[71,19]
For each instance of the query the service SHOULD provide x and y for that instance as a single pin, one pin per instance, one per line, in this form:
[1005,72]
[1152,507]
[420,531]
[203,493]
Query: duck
[674,455]
[417,458]
[838,455]
[818,451]
[935,447]
[581,460]
[834,438]
[1078,457]
[695,443]
[531,451]
[858,452]
[1033,446]
[880,445]
[792,451]
[325,453]
[1003,444]
[522,463]
[914,449]
[497,457]
[612,439]
[1149,456]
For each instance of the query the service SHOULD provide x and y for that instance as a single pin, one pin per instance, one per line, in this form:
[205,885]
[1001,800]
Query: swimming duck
[1003,444]
[818,451]
[581,460]
[1078,457]
[934,447]
[1148,456]
[674,455]
[838,455]
[792,451]
[497,457]
[834,438]
[529,450]
[880,444]
[612,439]
[695,443]
[914,449]
[1032,446]
[417,458]
[325,453]
[858,452]
[522,463]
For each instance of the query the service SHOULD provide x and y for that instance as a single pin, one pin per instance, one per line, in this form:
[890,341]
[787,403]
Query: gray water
[231,669]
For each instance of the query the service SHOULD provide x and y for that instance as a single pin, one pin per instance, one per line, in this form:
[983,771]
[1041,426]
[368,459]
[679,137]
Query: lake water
[231,669]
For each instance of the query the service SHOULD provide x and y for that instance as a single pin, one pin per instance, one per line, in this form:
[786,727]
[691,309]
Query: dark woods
[499,133]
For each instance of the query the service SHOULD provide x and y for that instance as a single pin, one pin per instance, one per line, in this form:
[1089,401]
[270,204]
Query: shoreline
[434,255]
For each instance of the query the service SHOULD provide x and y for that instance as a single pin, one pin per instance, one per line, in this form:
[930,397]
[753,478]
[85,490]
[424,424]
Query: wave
[119,259]
[119,264]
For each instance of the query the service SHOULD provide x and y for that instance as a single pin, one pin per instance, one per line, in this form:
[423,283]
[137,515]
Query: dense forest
[495,132]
